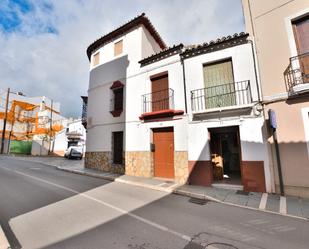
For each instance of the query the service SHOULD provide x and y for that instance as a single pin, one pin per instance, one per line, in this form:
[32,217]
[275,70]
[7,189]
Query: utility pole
[51,125]
[4,119]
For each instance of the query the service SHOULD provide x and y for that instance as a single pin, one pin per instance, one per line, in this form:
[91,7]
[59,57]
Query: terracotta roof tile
[170,51]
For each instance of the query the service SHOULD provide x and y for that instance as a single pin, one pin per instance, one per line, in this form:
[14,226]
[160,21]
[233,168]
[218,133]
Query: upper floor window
[116,107]
[118,47]
[118,99]
[96,59]
[219,84]
[301,33]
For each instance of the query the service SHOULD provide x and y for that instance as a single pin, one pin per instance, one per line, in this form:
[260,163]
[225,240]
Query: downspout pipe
[184,82]
[255,71]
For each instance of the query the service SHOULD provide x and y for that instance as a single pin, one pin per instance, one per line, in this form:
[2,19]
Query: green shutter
[219,84]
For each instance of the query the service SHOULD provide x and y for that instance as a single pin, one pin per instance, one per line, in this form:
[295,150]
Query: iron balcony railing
[225,95]
[297,72]
[158,101]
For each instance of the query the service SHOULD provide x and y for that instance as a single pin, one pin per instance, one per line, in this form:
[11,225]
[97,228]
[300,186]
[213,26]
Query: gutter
[184,82]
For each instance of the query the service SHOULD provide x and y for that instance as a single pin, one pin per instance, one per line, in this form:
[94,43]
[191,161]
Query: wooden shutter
[117,147]
[219,84]
[118,48]
[301,33]
[96,59]
[118,99]
[160,93]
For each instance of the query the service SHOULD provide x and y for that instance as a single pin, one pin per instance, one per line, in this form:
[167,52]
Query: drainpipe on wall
[184,83]
[255,71]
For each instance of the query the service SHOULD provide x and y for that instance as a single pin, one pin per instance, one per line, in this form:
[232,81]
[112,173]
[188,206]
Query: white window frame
[289,29]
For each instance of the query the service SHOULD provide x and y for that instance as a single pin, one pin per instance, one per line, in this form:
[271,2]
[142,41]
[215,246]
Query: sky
[43,42]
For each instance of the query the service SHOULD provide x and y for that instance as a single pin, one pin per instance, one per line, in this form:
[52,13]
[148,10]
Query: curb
[206,197]
[109,178]
[4,244]
[167,190]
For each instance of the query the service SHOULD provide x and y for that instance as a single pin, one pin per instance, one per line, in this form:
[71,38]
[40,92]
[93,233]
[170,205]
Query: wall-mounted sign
[272,119]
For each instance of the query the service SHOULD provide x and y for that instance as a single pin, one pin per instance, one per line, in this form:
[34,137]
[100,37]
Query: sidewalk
[288,206]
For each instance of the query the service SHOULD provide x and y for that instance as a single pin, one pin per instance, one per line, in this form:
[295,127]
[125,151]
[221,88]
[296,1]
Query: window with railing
[225,95]
[116,102]
[158,101]
[297,72]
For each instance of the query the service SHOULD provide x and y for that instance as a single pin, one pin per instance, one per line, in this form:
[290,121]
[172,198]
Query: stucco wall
[274,38]
[243,68]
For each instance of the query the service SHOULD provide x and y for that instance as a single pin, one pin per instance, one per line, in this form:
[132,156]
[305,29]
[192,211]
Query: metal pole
[11,131]
[278,162]
[4,119]
[51,125]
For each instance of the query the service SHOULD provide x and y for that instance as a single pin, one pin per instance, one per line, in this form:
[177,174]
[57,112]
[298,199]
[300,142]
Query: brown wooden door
[301,33]
[164,152]
[160,95]
[117,147]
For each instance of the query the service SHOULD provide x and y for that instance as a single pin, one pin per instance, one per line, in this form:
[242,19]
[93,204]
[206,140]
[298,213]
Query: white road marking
[283,209]
[139,218]
[263,201]
[4,244]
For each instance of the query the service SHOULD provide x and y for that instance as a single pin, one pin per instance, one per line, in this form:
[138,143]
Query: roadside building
[225,132]
[72,134]
[190,114]
[280,31]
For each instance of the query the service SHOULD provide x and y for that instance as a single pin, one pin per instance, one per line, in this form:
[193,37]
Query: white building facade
[191,115]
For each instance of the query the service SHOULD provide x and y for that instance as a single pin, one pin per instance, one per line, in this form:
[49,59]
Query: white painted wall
[243,68]
[125,68]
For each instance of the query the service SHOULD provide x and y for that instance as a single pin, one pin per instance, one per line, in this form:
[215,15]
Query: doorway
[226,155]
[163,140]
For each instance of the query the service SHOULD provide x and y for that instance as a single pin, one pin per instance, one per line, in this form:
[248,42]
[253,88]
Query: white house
[189,114]
[72,134]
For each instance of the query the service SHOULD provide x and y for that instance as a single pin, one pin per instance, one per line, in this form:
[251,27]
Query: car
[74,152]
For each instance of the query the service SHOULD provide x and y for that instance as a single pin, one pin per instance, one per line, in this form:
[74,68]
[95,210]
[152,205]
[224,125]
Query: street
[42,207]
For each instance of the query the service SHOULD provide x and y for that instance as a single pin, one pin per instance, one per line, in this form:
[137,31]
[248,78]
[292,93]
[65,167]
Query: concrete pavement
[289,206]
[48,208]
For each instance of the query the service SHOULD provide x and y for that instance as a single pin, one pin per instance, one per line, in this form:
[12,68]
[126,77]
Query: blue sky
[43,42]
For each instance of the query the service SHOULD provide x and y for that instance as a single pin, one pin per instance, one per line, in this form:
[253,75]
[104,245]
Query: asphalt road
[42,207]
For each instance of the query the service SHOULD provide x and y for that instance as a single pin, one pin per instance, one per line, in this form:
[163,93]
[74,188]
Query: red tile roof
[139,20]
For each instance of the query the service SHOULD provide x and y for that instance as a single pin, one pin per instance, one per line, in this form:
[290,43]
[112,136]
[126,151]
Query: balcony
[223,97]
[158,105]
[296,75]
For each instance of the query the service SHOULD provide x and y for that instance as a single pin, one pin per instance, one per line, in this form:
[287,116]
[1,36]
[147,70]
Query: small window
[118,48]
[96,59]
[117,147]
[116,106]
[118,99]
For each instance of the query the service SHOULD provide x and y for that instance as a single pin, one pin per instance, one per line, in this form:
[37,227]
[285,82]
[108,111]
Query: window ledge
[116,113]
[160,114]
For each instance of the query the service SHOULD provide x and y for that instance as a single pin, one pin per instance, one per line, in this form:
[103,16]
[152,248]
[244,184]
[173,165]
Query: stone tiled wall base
[181,166]
[102,160]
[139,163]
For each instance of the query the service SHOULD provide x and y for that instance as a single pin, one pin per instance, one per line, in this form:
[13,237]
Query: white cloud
[56,65]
